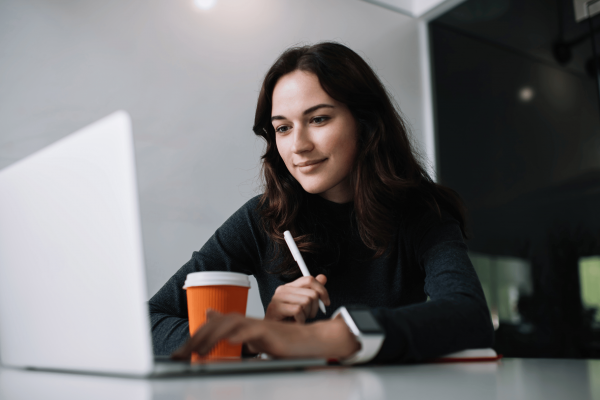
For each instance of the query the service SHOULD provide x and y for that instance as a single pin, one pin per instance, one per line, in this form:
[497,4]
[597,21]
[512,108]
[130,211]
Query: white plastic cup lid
[216,278]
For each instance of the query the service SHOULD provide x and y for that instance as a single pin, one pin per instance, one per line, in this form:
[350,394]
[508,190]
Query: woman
[339,173]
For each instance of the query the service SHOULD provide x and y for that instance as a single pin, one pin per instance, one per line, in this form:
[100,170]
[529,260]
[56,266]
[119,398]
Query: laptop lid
[72,279]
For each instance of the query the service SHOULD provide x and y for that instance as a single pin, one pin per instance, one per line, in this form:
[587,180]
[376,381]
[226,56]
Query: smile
[308,166]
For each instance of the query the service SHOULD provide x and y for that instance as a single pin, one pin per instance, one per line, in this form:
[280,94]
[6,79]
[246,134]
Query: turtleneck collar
[336,209]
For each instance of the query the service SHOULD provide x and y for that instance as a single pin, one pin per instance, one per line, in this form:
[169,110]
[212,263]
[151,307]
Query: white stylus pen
[298,257]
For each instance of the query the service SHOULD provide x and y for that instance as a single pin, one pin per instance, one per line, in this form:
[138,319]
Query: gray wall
[190,80]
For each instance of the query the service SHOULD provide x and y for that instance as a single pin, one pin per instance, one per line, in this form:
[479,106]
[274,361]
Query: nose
[301,140]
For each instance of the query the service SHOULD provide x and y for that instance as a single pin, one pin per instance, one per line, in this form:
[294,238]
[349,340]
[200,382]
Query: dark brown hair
[387,178]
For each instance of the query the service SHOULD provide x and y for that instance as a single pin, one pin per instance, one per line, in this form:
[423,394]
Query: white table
[509,379]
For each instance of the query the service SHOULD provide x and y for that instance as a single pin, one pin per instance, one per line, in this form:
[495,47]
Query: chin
[313,188]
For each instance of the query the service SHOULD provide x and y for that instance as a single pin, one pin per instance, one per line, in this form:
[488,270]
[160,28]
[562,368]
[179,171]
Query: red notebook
[471,355]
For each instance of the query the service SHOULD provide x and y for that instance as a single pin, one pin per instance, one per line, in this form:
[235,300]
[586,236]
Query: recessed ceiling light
[204,4]
[526,94]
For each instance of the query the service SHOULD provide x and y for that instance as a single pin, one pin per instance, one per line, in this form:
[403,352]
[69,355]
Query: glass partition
[589,277]
[593,9]
[517,119]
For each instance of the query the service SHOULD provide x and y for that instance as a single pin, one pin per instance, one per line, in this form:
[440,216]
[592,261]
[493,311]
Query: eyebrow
[307,111]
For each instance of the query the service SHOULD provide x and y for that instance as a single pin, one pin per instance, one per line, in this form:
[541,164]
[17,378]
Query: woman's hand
[298,300]
[323,339]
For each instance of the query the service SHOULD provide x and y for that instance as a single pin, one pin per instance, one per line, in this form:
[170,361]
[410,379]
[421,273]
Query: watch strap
[370,343]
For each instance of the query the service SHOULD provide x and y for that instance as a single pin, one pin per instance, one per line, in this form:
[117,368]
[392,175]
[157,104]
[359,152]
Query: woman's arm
[323,339]
[455,318]
[235,246]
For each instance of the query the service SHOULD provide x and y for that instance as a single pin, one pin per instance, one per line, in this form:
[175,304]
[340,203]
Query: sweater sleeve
[456,316]
[234,247]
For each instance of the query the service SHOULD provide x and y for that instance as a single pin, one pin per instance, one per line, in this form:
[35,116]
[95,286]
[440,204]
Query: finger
[185,351]
[227,325]
[315,284]
[208,335]
[308,299]
[310,282]
[297,296]
[213,320]
[322,279]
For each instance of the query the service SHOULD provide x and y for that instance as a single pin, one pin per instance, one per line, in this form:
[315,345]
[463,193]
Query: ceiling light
[204,4]
[526,94]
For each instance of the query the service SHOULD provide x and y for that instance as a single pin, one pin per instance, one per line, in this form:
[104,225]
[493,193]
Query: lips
[308,163]
[308,167]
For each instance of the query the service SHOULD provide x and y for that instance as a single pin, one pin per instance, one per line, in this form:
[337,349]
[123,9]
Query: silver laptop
[72,277]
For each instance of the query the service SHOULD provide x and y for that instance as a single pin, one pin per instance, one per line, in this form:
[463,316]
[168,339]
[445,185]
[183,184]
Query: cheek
[346,148]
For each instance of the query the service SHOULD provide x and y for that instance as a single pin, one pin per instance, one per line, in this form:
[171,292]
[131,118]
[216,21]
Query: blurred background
[518,136]
[501,97]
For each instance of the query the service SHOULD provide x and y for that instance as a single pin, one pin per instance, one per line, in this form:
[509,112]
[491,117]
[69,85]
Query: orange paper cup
[225,292]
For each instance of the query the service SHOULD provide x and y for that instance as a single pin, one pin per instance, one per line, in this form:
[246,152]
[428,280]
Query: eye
[282,129]
[319,120]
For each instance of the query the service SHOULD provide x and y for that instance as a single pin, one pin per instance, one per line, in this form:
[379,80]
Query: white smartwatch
[366,329]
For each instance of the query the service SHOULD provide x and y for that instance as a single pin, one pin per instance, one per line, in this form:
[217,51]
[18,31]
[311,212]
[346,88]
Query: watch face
[365,322]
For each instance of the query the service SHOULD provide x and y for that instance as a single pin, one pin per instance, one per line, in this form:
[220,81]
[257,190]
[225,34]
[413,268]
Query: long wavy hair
[388,178]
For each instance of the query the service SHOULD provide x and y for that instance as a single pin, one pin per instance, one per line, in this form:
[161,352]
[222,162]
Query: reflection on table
[509,379]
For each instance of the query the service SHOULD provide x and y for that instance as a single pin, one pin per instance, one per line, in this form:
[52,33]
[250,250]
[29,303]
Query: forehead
[297,91]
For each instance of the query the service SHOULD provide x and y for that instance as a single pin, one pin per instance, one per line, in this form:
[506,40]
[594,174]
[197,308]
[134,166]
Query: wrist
[336,339]
[365,328]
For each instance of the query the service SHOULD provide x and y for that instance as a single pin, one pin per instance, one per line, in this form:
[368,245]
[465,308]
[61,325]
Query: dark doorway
[518,136]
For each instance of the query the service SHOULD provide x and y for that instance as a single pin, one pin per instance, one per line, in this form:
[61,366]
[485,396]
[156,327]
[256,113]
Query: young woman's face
[316,136]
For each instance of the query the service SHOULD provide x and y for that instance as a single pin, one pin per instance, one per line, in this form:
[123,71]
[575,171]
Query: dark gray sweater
[428,258]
